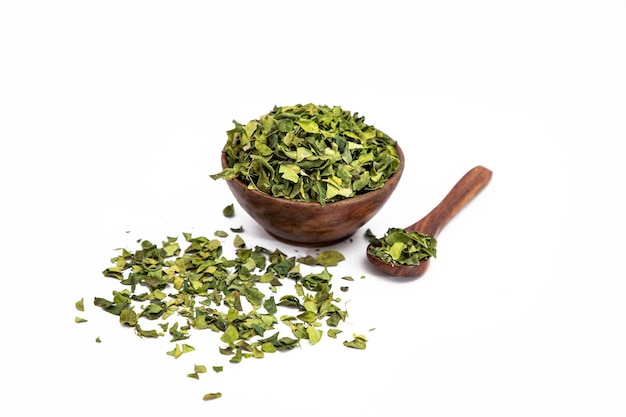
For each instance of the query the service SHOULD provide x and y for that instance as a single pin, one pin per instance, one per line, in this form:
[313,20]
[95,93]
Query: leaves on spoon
[400,247]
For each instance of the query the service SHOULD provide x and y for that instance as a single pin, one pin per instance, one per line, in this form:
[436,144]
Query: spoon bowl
[459,196]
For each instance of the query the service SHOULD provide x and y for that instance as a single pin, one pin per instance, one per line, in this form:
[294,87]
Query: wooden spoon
[460,195]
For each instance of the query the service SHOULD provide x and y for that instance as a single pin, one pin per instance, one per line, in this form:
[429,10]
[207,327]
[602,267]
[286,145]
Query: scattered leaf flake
[239,242]
[359,342]
[329,258]
[333,333]
[315,335]
[196,287]
[212,396]
[178,350]
[229,210]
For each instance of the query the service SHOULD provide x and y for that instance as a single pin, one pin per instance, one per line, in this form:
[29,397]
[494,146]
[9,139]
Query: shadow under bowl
[309,223]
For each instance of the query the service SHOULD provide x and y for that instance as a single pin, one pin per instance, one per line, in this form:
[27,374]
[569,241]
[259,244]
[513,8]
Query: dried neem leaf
[237,357]
[229,210]
[178,350]
[359,342]
[80,305]
[176,333]
[309,153]
[197,370]
[314,334]
[146,333]
[329,258]
[79,320]
[333,333]
[401,247]
[212,396]
[307,260]
[230,335]
[239,242]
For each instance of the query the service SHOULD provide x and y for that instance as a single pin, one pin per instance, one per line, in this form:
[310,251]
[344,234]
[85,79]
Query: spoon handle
[459,196]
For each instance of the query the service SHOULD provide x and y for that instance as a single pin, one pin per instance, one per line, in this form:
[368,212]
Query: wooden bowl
[308,223]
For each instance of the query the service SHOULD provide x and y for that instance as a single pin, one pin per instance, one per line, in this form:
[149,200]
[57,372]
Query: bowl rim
[346,201]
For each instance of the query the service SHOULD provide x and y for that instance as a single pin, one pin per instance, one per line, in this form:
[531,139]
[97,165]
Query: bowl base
[309,244]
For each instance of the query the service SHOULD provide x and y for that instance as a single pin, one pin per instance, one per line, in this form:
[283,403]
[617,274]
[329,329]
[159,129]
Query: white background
[113,115]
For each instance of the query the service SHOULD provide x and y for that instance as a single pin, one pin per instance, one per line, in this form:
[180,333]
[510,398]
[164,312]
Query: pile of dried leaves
[310,153]
[197,287]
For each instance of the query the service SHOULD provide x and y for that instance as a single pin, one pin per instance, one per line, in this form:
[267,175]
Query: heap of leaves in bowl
[310,153]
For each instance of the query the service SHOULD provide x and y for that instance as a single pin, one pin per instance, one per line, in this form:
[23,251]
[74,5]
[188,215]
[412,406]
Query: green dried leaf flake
[290,172]
[229,210]
[329,258]
[314,334]
[239,242]
[147,333]
[308,260]
[237,357]
[212,396]
[270,306]
[80,305]
[230,335]
[307,316]
[333,333]
[179,350]
[268,347]
[359,342]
